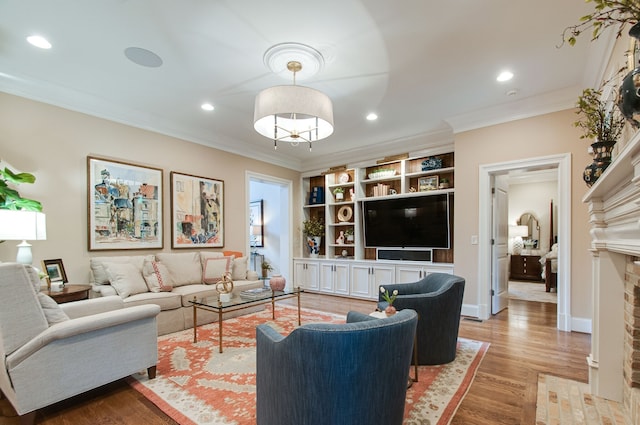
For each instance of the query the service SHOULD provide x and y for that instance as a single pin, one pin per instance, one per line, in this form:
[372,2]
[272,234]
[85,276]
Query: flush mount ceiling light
[292,113]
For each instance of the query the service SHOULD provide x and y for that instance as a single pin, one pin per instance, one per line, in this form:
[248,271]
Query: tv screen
[412,222]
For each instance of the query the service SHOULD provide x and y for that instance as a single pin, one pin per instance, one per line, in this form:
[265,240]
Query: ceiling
[428,69]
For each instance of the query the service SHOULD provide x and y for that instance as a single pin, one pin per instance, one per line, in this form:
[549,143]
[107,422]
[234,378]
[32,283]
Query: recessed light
[207,107]
[39,41]
[372,117]
[505,76]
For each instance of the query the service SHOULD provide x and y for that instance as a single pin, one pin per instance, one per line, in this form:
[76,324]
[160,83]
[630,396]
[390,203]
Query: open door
[499,247]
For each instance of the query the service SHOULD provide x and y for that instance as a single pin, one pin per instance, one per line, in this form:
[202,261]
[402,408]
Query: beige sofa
[171,280]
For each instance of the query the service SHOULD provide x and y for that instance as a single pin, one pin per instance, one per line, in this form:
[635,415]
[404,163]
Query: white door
[499,247]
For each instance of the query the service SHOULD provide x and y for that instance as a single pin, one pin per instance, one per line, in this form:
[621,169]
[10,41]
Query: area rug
[563,401]
[528,291]
[195,384]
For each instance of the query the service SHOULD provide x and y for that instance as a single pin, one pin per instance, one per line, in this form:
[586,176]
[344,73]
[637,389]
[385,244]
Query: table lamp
[517,232]
[16,225]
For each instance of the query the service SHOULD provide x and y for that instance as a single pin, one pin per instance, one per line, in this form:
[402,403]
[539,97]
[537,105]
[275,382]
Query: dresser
[526,267]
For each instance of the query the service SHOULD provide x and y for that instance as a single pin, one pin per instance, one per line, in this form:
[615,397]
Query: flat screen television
[410,222]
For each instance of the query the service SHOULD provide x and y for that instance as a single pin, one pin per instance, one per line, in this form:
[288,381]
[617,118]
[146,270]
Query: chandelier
[293,114]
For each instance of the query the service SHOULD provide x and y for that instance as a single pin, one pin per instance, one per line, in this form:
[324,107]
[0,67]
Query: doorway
[277,203]
[562,163]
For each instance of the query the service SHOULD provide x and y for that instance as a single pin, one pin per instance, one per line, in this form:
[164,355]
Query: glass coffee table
[251,299]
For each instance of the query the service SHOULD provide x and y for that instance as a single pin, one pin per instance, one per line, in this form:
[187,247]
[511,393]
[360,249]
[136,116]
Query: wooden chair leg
[151,372]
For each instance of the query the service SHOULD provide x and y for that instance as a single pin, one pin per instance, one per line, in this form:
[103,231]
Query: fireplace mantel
[614,216]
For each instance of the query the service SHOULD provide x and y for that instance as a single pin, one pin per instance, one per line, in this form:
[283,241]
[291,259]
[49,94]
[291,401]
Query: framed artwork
[427,183]
[197,212]
[55,270]
[256,229]
[125,205]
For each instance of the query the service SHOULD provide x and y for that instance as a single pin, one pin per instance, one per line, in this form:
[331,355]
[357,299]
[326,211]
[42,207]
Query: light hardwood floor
[524,343]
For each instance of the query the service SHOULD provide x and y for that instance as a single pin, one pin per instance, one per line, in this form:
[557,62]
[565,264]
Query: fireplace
[614,208]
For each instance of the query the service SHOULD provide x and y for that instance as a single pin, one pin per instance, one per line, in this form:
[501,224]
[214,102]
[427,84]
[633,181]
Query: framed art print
[125,205]
[54,270]
[427,183]
[197,212]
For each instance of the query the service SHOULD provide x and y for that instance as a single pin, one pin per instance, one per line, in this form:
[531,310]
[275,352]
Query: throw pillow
[184,267]
[99,270]
[240,267]
[126,279]
[51,309]
[214,268]
[157,276]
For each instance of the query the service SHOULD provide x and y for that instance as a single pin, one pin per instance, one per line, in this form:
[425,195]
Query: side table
[69,293]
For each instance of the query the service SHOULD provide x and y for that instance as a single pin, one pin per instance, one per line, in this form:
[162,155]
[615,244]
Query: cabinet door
[360,280]
[406,274]
[305,275]
[326,277]
[341,279]
[381,275]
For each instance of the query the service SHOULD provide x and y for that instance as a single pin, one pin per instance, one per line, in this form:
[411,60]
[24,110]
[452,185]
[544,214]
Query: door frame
[563,164]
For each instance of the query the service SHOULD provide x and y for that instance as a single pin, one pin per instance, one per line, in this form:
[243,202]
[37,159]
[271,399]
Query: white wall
[534,198]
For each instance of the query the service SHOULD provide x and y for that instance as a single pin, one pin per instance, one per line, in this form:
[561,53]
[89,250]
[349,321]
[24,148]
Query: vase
[277,282]
[313,244]
[601,160]
[390,310]
[628,95]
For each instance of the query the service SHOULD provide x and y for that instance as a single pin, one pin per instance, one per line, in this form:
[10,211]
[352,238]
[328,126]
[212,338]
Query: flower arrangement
[597,121]
[266,266]
[389,298]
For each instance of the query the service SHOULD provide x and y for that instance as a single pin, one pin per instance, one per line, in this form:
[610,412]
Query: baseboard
[580,324]
[470,310]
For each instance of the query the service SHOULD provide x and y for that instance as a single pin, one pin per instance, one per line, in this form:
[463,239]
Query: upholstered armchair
[354,373]
[437,298]
[52,352]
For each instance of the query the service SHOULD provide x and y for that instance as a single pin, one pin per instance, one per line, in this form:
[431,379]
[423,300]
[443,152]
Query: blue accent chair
[335,374]
[437,298]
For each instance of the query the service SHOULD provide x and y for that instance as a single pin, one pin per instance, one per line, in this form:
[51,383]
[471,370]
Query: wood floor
[524,343]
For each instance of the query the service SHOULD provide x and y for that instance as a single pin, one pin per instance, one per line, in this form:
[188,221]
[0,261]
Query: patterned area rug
[563,401]
[529,291]
[195,384]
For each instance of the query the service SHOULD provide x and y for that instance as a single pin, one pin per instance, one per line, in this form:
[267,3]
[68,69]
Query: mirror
[533,239]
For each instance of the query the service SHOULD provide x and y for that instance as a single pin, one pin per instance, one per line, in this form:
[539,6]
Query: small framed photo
[55,270]
[427,183]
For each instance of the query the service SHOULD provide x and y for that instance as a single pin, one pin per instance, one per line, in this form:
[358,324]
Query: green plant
[389,298]
[338,190]
[313,227]
[349,231]
[444,180]
[266,266]
[597,121]
[606,13]
[10,199]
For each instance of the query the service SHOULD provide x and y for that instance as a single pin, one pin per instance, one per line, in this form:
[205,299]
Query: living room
[53,142]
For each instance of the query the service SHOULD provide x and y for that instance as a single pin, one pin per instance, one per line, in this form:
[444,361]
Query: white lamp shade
[284,101]
[521,231]
[22,225]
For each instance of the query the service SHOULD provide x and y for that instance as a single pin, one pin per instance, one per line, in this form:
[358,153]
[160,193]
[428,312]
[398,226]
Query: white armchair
[52,352]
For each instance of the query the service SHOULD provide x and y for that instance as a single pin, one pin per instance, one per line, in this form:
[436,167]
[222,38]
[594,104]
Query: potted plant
[314,230]
[444,183]
[338,192]
[266,268]
[10,199]
[349,234]
[603,125]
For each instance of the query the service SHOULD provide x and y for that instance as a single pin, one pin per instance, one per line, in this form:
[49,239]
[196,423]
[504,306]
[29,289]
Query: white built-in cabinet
[345,266]
[358,279]
[306,274]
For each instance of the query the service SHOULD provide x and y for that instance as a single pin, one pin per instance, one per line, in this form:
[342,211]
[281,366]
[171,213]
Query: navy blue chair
[335,374]
[437,298]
